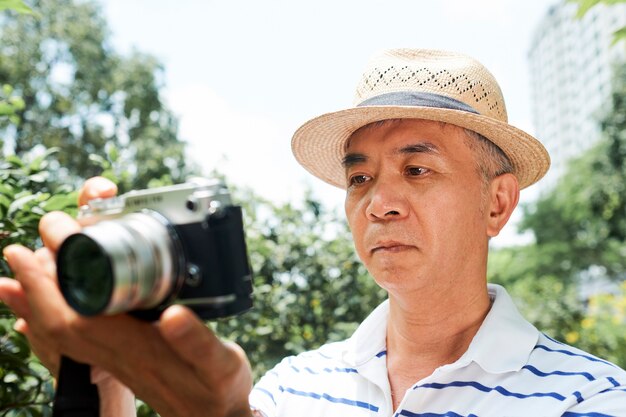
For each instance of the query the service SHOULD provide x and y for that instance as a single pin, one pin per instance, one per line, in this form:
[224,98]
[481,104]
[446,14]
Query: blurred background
[150,92]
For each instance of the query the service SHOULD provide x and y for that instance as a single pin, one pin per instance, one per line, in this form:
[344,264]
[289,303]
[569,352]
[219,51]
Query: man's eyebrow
[422,147]
[351,159]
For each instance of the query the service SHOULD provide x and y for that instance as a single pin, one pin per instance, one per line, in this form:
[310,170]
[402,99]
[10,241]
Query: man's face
[416,205]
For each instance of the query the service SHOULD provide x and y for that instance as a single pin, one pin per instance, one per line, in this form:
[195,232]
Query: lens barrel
[129,263]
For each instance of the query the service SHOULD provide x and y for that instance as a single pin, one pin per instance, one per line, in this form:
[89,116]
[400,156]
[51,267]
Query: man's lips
[390,247]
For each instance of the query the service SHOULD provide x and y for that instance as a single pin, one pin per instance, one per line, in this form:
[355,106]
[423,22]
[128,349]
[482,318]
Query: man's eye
[357,179]
[416,171]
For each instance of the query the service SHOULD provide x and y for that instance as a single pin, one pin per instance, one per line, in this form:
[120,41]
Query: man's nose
[387,201]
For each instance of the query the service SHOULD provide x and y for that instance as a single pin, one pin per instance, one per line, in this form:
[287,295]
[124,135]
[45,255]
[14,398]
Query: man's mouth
[390,247]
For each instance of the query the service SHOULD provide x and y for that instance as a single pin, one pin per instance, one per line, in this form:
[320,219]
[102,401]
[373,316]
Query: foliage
[83,97]
[589,202]
[17,5]
[10,105]
[602,329]
[537,286]
[25,195]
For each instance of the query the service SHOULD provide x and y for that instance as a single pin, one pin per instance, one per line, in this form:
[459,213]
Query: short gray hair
[491,161]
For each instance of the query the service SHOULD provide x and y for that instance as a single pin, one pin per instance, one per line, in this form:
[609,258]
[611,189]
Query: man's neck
[424,336]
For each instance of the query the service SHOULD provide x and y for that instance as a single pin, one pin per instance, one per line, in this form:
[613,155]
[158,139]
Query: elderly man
[432,170]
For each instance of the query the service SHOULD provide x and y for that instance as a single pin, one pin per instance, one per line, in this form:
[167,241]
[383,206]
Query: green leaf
[14,160]
[59,202]
[39,177]
[17,102]
[19,204]
[16,5]
[99,160]
[7,89]
[6,189]
[6,108]
[4,201]
[618,35]
[584,6]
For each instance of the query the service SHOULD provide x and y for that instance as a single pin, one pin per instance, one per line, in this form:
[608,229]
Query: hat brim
[319,144]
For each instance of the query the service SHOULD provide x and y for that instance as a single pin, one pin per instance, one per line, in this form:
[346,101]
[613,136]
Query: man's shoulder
[572,371]
[548,350]
[326,358]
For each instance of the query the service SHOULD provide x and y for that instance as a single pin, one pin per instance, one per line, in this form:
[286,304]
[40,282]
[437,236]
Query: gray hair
[491,161]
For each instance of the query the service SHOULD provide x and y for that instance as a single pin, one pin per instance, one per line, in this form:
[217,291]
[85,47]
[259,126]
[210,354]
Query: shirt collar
[503,342]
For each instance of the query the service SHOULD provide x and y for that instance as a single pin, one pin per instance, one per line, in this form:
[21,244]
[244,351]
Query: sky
[243,75]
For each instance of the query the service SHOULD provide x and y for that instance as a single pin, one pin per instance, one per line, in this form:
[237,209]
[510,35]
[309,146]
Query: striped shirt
[510,369]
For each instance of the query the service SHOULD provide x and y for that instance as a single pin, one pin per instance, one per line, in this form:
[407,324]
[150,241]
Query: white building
[571,65]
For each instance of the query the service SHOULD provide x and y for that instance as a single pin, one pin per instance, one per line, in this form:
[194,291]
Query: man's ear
[503,198]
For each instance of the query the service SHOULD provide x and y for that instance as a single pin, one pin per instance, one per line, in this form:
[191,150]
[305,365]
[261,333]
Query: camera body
[145,250]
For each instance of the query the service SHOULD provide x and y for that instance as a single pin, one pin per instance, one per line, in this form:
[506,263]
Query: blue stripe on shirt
[327,370]
[567,352]
[447,414]
[499,389]
[613,389]
[571,414]
[327,397]
[266,392]
[559,373]
[579,397]
[554,340]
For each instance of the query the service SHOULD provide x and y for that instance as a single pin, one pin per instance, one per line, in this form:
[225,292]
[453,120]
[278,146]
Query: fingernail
[177,323]
[8,253]
[102,187]
[19,325]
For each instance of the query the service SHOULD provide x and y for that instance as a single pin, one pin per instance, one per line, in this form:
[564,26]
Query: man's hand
[176,365]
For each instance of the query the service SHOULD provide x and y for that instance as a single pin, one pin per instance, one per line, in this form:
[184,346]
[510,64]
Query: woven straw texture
[319,145]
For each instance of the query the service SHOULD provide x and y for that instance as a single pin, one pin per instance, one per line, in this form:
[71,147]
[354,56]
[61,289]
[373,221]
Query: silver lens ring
[145,256]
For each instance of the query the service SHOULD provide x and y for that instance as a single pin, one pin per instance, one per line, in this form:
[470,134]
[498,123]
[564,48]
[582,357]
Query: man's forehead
[424,135]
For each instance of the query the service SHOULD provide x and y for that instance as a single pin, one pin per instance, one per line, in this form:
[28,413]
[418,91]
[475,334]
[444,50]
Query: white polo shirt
[510,369]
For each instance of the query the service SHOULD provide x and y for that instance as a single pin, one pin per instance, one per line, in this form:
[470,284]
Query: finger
[21,326]
[96,187]
[55,227]
[47,261]
[12,294]
[40,291]
[193,341]
[25,266]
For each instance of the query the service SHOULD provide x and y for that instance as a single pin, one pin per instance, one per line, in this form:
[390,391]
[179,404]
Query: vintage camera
[145,250]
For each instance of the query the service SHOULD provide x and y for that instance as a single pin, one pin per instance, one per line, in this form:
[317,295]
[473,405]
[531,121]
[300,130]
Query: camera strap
[75,396]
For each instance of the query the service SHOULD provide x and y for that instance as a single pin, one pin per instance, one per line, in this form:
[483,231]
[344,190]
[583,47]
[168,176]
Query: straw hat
[420,84]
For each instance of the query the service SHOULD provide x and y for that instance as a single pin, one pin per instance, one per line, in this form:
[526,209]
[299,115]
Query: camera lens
[129,263]
[87,275]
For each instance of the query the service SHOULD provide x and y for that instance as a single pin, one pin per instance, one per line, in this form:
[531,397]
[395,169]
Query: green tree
[582,221]
[25,195]
[602,328]
[83,97]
